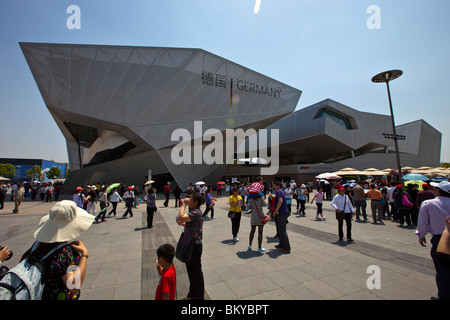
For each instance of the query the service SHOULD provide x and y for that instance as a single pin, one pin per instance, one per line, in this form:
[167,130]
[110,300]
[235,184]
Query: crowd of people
[427,209]
[45,191]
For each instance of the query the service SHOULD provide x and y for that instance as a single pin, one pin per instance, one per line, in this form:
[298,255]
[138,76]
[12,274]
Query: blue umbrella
[415,176]
[439,179]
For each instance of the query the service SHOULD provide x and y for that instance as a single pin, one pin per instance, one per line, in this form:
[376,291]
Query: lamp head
[387,76]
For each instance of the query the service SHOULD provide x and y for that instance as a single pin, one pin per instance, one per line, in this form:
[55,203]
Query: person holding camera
[193,235]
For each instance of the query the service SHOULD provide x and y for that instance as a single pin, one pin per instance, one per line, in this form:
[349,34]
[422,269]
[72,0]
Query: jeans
[166,203]
[91,205]
[361,206]
[404,214]
[393,213]
[102,212]
[284,239]
[195,274]
[235,224]
[348,220]
[375,205]
[129,210]
[114,207]
[209,209]
[150,212]
[302,207]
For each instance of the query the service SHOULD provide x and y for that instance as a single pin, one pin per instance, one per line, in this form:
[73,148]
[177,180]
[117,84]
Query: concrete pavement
[122,251]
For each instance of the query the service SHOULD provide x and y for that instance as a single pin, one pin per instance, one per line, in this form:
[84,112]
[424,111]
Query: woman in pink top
[319,201]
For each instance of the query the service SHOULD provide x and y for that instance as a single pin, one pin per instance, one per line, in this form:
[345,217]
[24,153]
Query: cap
[444,185]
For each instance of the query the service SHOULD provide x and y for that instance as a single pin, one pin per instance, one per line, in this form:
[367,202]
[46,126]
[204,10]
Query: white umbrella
[199,183]
[148,182]
[328,175]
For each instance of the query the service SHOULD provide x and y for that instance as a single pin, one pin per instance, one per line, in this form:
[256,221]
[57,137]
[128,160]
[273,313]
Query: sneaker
[261,249]
[212,218]
[236,239]
[249,247]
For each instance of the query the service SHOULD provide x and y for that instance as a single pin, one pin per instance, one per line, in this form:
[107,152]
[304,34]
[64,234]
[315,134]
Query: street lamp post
[386,77]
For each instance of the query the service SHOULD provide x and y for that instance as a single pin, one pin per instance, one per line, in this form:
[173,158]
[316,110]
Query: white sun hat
[65,222]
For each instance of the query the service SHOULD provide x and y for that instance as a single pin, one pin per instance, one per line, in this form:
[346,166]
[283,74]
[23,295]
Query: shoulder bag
[184,251]
[341,215]
[263,220]
[232,214]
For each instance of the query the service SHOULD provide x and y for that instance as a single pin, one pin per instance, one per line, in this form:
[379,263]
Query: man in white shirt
[129,199]
[393,212]
[342,204]
[432,219]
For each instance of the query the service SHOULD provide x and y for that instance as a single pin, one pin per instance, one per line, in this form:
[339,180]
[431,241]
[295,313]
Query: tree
[7,170]
[34,172]
[54,172]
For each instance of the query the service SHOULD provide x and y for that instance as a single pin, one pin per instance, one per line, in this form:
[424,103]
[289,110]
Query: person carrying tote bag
[190,245]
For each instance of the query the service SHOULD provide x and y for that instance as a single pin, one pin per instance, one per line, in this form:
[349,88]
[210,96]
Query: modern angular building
[329,136]
[119,106]
[121,109]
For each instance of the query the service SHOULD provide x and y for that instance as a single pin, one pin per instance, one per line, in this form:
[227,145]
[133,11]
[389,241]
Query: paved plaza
[122,251]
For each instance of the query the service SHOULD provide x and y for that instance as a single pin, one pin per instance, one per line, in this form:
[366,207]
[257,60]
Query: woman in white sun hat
[66,267]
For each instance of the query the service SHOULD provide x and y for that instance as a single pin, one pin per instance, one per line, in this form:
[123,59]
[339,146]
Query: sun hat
[65,222]
[79,188]
[444,185]
[341,188]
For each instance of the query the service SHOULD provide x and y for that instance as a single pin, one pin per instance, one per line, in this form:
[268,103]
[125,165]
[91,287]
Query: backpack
[26,280]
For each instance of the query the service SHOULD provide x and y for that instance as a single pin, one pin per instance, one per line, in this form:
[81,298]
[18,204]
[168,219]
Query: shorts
[319,207]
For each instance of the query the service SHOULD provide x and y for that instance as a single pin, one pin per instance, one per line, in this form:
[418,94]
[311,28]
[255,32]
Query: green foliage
[34,172]
[7,170]
[53,173]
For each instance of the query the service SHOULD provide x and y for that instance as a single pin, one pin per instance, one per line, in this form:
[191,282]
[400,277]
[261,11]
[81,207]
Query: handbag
[263,220]
[232,214]
[184,252]
[341,215]
[405,201]
[383,201]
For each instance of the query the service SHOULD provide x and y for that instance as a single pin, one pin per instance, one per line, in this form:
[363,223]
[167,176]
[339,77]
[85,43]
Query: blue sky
[323,48]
